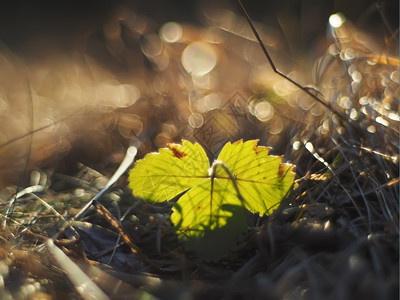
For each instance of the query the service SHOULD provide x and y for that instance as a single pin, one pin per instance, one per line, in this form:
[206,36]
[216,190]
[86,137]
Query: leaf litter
[332,238]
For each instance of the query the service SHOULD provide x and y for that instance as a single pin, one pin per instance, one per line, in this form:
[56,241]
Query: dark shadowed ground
[80,80]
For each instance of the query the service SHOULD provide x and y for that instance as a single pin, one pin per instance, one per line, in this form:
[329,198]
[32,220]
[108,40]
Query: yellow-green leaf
[209,217]
[161,176]
[262,179]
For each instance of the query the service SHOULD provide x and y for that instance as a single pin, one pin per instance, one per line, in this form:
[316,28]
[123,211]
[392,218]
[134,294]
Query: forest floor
[336,236]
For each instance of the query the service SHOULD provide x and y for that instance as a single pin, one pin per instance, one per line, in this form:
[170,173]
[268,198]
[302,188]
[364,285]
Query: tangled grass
[335,237]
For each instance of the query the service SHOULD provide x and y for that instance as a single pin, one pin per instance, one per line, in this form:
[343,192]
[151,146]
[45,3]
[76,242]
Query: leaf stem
[212,171]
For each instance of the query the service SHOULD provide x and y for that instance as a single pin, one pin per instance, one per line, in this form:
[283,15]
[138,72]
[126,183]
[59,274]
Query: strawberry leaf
[262,179]
[161,176]
[210,217]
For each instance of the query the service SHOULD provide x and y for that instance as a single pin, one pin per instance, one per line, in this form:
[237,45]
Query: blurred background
[80,79]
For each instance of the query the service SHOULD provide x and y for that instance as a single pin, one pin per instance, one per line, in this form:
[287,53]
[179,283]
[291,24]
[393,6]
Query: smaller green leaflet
[210,217]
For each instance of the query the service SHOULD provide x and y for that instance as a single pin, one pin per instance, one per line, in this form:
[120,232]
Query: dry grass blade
[102,211]
[86,288]
[336,236]
[125,164]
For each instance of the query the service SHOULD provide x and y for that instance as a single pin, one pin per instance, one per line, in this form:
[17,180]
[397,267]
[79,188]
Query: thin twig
[264,49]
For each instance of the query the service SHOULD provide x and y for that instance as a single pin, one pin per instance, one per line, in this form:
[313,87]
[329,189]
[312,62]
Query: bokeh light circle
[171,32]
[198,58]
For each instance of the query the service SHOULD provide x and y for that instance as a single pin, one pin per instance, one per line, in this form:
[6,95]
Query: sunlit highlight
[208,102]
[152,45]
[264,111]
[196,120]
[171,32]
[382,121]
[199,58]
[371,129]
[336,20]
[296,145]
